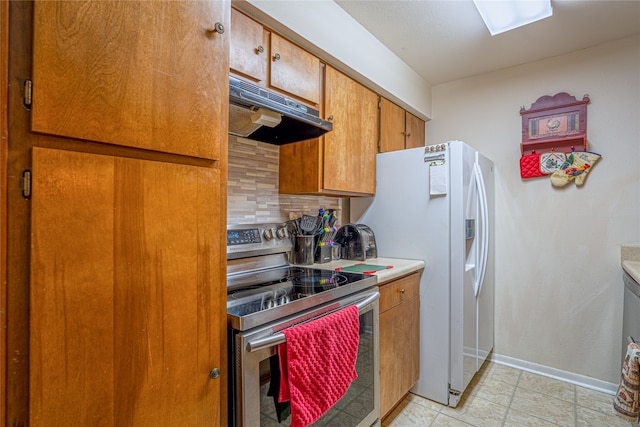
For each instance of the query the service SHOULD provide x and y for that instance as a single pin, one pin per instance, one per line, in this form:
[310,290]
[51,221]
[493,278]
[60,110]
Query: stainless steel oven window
[359,407]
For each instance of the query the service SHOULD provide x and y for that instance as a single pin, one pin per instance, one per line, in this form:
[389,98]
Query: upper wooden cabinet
[343,161]
[415,136]
[151,75]
[269,60]
[248,48]
[399,129]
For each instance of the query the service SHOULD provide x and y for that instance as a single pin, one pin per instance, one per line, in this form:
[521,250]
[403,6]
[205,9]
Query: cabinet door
[399,339]
[392,131]
[415,131]
[127,292]
[399,352]
[350,149]
[294,70]
[144,74]
[248,49]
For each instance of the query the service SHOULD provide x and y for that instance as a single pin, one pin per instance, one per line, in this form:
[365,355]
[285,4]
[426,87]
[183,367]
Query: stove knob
[282,233]
[268,234]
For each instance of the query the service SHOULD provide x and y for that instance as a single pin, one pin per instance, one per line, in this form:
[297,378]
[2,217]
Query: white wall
[558,277]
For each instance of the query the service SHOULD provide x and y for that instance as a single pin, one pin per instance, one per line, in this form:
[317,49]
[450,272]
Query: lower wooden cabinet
[127,292]
[399,339]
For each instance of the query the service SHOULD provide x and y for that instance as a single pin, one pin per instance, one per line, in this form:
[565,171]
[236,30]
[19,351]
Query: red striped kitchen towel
[319,363]
[627,401]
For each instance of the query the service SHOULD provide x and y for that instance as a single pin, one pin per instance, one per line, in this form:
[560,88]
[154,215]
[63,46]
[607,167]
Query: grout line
[504,420]
[575,405]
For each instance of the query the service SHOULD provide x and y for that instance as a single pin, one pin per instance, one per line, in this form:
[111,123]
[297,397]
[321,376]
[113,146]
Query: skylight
[505,15]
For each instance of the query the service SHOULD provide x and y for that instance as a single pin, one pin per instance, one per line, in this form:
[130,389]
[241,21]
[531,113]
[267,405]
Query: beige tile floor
[503,396]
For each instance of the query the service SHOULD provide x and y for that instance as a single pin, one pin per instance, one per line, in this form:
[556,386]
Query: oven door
[251,359]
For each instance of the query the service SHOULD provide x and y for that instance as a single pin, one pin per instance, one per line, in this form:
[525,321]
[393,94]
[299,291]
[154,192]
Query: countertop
[633,268]
[630,258]
[399,267]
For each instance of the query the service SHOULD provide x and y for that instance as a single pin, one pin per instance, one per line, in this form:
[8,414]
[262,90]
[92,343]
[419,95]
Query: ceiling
[446,40]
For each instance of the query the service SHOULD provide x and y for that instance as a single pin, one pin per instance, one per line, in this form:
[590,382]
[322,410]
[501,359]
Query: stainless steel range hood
[263,115]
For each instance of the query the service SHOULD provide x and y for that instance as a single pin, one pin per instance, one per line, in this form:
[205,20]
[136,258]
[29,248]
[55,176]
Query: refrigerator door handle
[484,224]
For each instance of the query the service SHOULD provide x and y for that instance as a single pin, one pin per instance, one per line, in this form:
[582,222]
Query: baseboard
[547,371]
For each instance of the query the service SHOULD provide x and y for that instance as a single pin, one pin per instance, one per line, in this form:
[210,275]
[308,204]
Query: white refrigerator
[436,204]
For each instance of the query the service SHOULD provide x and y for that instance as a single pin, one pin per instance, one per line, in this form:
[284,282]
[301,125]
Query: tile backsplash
[253,187]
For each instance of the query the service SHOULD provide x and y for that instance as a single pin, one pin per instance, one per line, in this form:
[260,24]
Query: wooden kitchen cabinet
[116,211]
[399,129]
[343,161]
[124,301]
[270,60]
[248,48]
[399,339]
[132,73]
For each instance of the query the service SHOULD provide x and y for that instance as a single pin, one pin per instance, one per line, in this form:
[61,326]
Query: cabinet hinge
[28,86]
[379,105]
[26,184]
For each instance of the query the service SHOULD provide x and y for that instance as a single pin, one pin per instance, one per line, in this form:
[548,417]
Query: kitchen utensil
[309,224]
[292,227]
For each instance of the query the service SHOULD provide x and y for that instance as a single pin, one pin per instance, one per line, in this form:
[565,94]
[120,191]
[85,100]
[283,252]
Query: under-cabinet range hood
[263,115]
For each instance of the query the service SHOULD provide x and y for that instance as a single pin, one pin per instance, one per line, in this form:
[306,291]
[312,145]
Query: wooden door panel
[399,352]
[127,292]
[135,73]
[350,149]
[72,296]
[392,131]
[245,57]
[415,132]
[296,71]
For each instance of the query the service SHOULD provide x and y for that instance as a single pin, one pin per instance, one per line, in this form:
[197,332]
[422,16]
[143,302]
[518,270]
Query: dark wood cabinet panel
[126,292]
[399,339]
[270,60]
[399,129]
[149,75]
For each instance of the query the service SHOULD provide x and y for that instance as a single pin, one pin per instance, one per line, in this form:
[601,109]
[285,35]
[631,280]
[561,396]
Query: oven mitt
[551,162]
[577,166]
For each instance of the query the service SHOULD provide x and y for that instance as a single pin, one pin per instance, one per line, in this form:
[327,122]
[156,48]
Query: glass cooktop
[280,292]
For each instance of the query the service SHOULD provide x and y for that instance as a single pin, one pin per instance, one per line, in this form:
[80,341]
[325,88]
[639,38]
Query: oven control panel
[243,236]
[246,240]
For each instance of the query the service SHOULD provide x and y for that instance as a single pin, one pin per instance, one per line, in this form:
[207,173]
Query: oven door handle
[278,337]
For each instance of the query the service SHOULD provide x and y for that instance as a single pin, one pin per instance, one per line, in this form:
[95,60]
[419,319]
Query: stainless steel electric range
[266,294]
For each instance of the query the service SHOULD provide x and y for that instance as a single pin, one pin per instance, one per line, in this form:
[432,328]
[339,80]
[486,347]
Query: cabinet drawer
[397,291]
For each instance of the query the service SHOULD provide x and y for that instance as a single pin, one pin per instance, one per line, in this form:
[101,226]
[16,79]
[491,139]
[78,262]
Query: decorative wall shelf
[555,123]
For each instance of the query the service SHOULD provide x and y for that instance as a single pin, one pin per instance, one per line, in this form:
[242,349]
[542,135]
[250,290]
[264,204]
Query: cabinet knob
[214,374]
[259,50]
[409,135]
[402,291]
[276,57]
[217,28]
[330,117]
